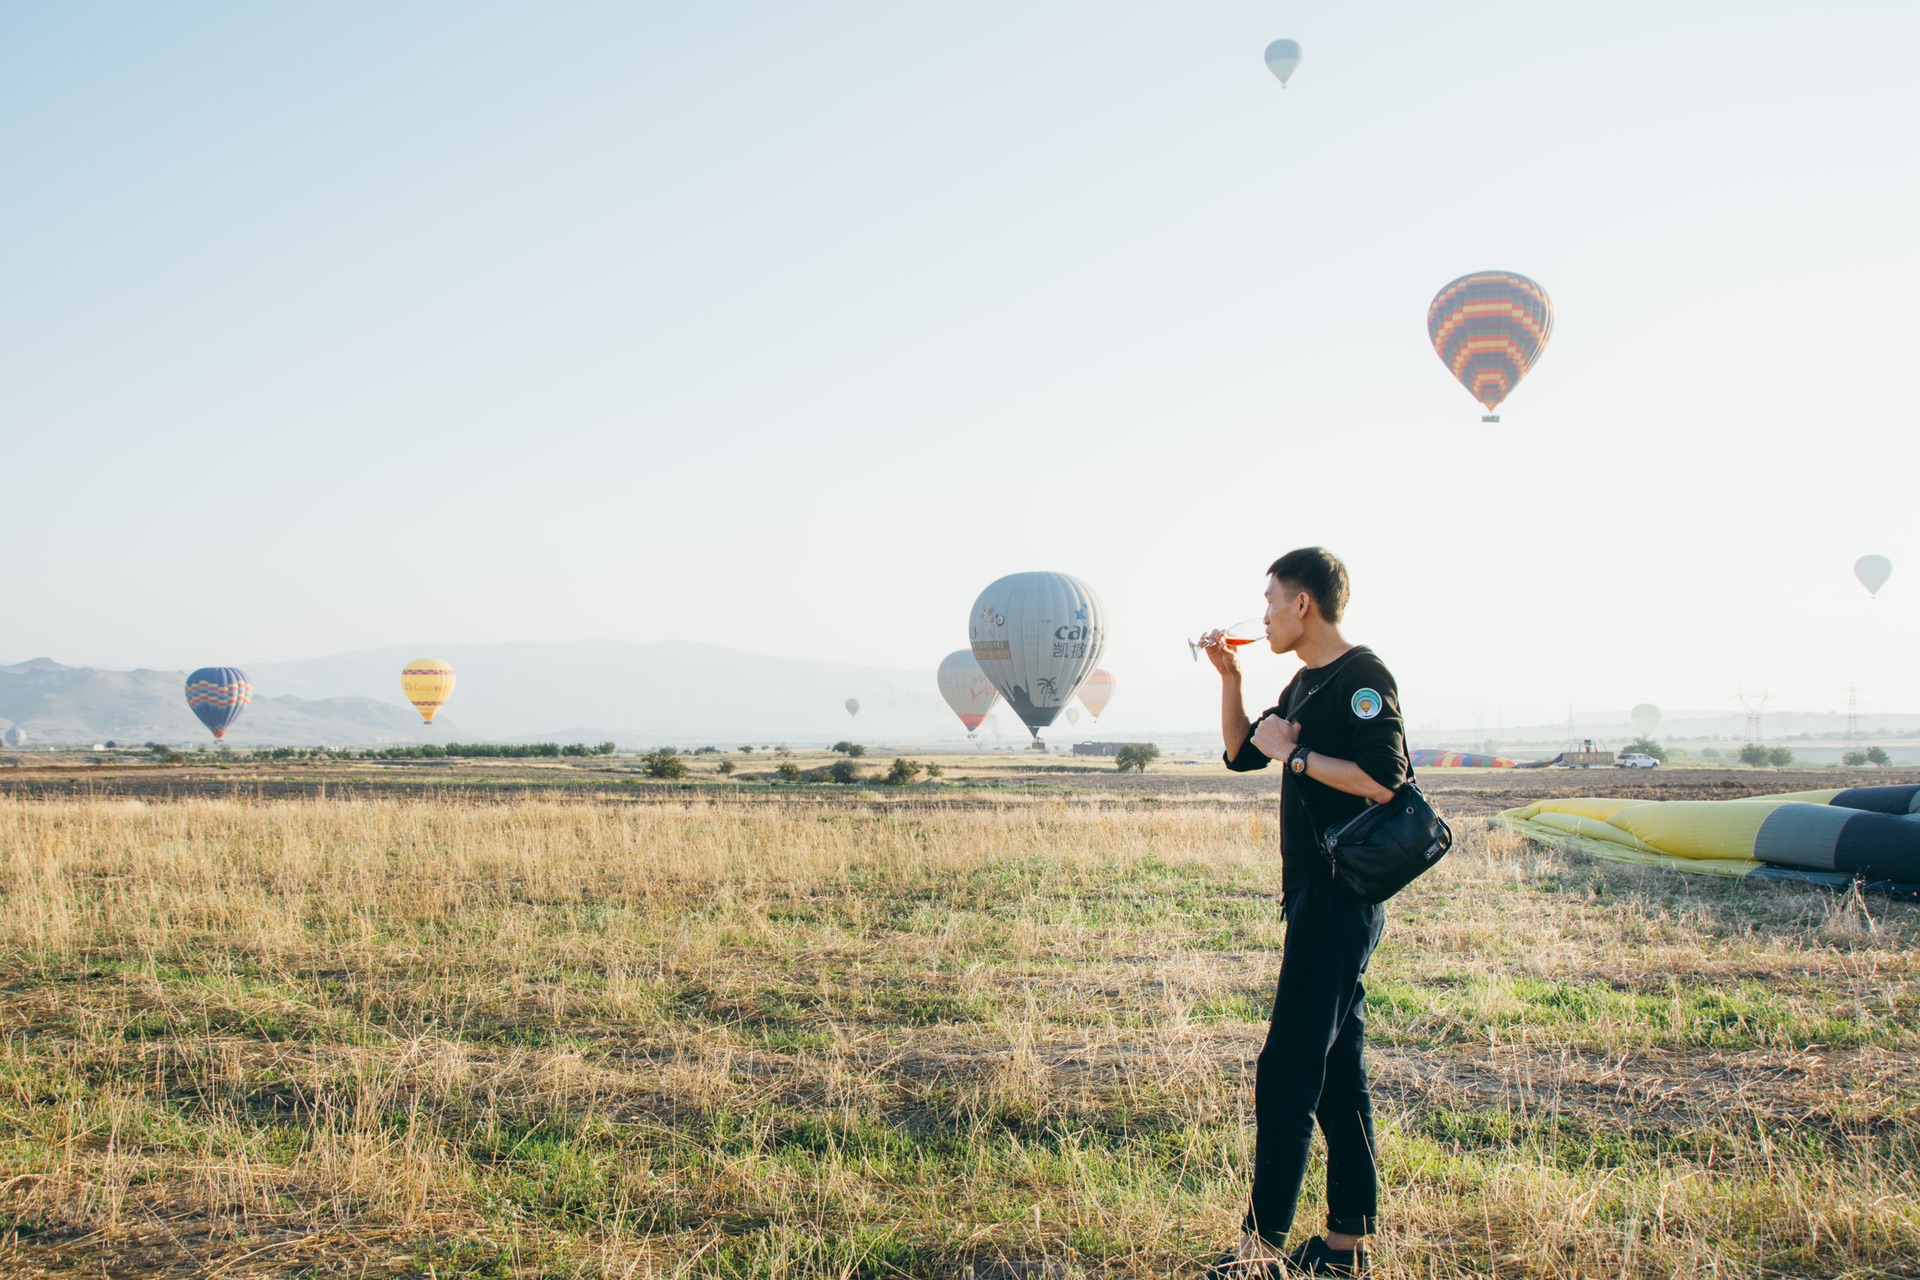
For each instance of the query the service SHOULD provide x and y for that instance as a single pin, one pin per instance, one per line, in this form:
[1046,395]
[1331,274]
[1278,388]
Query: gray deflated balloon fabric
[1037,636]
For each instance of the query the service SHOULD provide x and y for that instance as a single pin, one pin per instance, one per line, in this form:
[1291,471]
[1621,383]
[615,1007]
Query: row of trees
[482,751]
[669,765]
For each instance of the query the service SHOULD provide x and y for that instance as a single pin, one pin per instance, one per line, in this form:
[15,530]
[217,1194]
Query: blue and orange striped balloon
[218,695]
[1489,328]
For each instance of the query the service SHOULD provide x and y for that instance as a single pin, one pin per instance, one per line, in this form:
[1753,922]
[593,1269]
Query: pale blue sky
[792,326]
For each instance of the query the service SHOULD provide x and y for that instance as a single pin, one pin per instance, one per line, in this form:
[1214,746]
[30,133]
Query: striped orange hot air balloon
[1489,328]
[428,683]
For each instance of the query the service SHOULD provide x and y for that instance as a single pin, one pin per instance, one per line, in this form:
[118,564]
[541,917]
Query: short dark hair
[1319,573]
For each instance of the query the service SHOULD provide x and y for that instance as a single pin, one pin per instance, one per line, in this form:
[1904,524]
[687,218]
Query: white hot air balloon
[1646,718]
[1037,636]
[853,706]
[16,737]
[1073,715]
[1283,57]
[1873,572]
[966,688]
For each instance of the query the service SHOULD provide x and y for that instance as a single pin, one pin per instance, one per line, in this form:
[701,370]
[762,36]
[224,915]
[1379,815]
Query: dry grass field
[567,1037]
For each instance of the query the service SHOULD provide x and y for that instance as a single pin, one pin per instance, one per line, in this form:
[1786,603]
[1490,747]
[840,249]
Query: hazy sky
[791,326]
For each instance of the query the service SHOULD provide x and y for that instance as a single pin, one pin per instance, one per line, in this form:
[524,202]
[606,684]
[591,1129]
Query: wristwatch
[1297,760]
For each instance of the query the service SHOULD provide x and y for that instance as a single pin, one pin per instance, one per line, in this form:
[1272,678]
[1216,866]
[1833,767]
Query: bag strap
[1326,678]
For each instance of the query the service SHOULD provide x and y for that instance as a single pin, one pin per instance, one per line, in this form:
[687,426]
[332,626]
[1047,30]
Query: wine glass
[1241,633]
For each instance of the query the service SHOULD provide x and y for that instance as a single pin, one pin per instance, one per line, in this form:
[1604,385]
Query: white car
[1634,760]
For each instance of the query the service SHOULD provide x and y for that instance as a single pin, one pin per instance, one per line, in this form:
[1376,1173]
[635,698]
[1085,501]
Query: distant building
[1098,748]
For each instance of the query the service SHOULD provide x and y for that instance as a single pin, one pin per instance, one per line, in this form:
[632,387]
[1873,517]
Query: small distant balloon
[853,706]
[1283,58]
[1873,572]
[16,737]
[1097,692]
[218,695]
[1646,718]
[1073,715]
[427,684]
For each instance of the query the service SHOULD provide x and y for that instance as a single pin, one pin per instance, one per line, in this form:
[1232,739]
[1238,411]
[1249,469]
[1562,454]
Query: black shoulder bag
[1386,846]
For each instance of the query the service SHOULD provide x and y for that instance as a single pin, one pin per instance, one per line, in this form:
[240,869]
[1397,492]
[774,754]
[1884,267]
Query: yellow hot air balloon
[1097,692]
[428,683]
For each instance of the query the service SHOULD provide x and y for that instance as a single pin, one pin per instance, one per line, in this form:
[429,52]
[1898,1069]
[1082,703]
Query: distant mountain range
[580,691]
[679,692]
[55,704]
[638,694]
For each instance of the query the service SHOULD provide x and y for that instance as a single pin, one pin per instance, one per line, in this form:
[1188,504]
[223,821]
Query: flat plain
[280,1021]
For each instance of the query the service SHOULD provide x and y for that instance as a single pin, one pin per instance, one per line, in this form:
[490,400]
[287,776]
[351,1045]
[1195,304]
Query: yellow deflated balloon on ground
[428,683]
[1858,836]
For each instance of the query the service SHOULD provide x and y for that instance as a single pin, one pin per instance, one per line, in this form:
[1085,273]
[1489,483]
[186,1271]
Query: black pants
[1314,1066]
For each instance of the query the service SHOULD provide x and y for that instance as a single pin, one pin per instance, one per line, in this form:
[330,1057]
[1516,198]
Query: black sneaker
[1232,1267]
[1314,1258]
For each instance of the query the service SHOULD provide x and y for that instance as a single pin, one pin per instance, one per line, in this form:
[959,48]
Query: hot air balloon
[1283,56]
[966,688]
[1073,715]
[1097,692]
[1489,328]
[1646,718]
[218,695]
[16,737]
[853,706]
[427,684]
[1873,572]
[1037,636]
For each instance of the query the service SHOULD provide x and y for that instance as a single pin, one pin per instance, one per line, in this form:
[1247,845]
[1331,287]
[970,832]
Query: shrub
[726,767]
[1878,755]
[845,772]
[747,750]
[1136,756]
[604,749]
[852,750]
[664,763]
[903,772]
[1854,759]
[1646,747]
[707,751]
[788,771]
[1779,757]
[1753,753]
[934,771]
[1709,753]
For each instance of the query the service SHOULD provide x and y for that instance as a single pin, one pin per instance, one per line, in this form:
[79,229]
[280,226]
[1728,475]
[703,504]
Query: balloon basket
[1491,417]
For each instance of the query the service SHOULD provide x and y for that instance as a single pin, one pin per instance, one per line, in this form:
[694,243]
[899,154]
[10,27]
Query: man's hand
[1225,659]
[1276,737]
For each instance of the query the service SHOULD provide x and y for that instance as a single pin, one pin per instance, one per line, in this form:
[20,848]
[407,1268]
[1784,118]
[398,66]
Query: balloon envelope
[16,736]
[966,688]
[1646,718]
[1873,572]
[428,683]
[1097,692]
[1073,715]
[1488,329]
[1283,56]
[218,695]
[853,706]
[1037,636]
